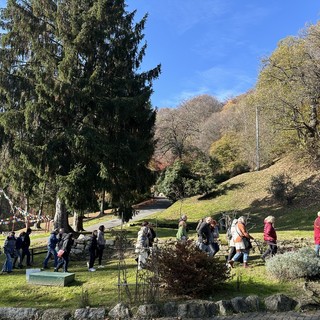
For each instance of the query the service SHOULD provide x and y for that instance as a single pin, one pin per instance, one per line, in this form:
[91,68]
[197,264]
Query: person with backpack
[65,253]
[270,237]
[241,233]
[205,237]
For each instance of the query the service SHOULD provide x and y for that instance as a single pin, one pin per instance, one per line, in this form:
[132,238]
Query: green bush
[293,265]
[185,270]
[282,188]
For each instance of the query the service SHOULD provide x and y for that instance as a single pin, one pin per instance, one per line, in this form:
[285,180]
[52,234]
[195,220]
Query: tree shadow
[222,190]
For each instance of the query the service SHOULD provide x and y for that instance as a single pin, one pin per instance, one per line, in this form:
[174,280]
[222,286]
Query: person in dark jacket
[25,247]
[52,243]
[270,237]
[101,245]
[17,257]
[66,247]
[9,250]
[93,245]
[205,237]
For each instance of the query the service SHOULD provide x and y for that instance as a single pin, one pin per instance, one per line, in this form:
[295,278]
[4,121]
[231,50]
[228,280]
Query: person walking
[101,245]
[142,245]
[316,234]
[52,243]
[270,237]
[205,237]
[25,247]
[9,250]
[241,233]
[65,253]
[93,245]
[182,233]
[214,236]
[19,241]
[231,235]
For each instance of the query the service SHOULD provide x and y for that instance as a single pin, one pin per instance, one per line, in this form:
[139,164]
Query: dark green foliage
[184,180]
[75,105]
[188,271]
[282,188]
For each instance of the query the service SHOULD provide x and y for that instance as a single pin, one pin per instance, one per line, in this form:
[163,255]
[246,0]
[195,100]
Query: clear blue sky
[215,46]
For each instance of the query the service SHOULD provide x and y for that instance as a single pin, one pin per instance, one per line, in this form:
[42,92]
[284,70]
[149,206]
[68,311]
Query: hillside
[247,193]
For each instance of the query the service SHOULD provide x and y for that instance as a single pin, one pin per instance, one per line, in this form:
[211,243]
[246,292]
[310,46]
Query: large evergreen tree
[75,103]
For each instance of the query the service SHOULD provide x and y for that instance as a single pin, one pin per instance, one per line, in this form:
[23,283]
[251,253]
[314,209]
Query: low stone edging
[189,309]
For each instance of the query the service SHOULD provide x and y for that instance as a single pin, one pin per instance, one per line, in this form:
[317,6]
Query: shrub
[282,188]
[293,265]
[186,270]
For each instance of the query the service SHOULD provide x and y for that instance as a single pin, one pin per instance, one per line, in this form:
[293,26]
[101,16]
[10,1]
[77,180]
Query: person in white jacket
[142,245]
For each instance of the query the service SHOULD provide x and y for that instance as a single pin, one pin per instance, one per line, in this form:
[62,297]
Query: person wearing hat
[316,228]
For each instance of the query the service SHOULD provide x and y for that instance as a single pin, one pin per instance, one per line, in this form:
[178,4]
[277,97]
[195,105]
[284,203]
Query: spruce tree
[71,81]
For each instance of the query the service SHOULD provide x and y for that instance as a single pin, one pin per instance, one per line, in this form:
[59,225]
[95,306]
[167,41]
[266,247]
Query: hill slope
[247,193]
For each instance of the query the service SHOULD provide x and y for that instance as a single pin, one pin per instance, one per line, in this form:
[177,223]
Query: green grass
[245,194]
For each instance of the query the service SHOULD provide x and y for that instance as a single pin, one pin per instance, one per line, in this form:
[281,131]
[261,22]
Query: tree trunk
[27,212]
[38,223]
[78,222]
[61,217]
[102,204]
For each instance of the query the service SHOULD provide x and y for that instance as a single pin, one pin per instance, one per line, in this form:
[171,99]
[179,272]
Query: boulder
[90,314]
[224,307]
[253,303]
[279,302]
[120,311]
[239,305]
[148,311]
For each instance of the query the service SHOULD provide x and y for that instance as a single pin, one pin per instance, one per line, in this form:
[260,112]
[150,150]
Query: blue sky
[215,46]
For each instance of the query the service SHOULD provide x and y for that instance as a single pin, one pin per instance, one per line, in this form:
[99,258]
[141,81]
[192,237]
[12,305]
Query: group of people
[239,239]
[144,244]
[15,250]
[58,249]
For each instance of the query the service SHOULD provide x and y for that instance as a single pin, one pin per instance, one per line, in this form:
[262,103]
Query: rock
[57,314]
[120,311]
[253,303]
[192,310]
[20,313]
[239,305]
[148,311]
[279,302]
[170,309]
[90,314]
[224,307]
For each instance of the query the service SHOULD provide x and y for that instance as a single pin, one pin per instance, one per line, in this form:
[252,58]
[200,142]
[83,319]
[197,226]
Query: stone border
[189,309]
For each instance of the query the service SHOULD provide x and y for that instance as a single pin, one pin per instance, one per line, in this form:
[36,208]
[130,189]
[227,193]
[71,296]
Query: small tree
[282,188]
[188,271]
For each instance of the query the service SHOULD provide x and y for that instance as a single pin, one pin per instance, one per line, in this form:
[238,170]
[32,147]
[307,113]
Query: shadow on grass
[221,191]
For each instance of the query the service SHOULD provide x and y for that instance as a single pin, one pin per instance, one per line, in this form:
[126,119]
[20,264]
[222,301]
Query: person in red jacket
[270,237]
[316,227]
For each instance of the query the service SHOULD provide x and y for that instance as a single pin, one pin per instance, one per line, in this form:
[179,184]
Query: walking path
[146,209]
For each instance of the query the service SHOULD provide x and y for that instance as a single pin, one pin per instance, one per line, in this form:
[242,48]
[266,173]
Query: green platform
[46,278]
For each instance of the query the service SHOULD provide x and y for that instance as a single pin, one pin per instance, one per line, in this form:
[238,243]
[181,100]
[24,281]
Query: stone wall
[195,309]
